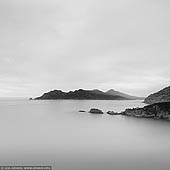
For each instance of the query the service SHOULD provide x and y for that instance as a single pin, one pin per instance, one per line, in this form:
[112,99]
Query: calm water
[55,133]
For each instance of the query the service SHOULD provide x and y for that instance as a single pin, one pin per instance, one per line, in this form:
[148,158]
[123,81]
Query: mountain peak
[111,90]
[97,91]
[117,93]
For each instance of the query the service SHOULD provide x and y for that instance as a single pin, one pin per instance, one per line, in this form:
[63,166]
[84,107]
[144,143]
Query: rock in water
[113,113]
[96,111]
[82,111]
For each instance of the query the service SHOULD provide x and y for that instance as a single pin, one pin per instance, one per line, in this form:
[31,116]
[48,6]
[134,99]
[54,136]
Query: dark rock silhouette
[157,111]
[96,111]
[113,113]
[161,96]
[79,95]
[154,111]
[82,111]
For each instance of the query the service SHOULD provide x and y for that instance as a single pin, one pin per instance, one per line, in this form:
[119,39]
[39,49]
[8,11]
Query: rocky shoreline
[154,111]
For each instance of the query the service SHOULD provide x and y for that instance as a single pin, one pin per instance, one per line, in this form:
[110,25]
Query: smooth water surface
[55,133]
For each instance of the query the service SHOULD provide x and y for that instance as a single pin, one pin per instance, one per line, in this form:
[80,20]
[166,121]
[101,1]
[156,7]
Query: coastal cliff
[159,97]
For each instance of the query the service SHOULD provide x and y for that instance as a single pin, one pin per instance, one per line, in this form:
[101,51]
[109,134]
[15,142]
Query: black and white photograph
[84,85]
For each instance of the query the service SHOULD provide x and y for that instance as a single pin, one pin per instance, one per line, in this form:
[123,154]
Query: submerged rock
[113,113]
[96,111]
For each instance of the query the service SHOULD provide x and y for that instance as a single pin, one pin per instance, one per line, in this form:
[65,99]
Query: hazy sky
[71,44]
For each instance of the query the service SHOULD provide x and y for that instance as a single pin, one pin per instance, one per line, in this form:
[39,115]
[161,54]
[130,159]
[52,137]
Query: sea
[54,133]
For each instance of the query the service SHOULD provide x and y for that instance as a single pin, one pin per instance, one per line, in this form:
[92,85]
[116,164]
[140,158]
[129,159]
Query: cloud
[84,44]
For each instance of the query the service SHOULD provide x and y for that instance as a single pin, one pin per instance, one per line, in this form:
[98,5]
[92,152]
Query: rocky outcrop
[79,95]
[96,111]
[159,97]
[157,111]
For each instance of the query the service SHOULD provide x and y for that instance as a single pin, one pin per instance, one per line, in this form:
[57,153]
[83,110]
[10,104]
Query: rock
[113,113]
[156,111]
[30,98]
[96,111]
[82,111]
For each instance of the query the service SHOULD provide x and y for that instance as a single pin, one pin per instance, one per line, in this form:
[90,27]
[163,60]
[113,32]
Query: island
[82,94]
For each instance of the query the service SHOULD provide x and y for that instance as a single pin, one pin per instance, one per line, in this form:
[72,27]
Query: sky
[89,44]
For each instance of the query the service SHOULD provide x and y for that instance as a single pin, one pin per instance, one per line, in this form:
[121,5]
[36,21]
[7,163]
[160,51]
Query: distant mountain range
[87,95]
[117,93]
[159,97]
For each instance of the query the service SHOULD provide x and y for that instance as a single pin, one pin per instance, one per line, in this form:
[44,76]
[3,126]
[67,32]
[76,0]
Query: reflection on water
[55,133]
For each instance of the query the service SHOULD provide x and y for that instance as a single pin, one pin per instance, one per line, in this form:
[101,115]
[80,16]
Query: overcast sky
[71,44]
